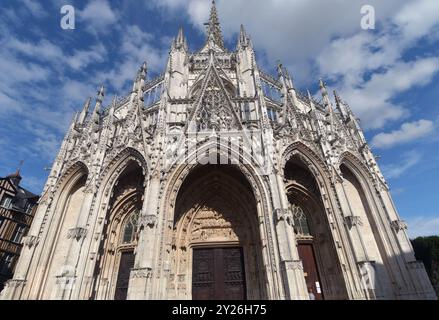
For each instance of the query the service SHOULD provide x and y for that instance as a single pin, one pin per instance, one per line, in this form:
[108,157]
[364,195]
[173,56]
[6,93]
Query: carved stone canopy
[30,241]
[399,225]
[76,233]
[352,221]
[149,220]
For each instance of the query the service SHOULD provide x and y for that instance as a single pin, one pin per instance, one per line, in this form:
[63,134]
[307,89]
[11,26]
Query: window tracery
[300,219]
[130,229]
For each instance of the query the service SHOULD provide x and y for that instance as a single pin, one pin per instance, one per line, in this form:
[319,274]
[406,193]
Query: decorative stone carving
[284,215]
[209,224]
[147,221]
[292,265]
[142,273]
[76,233]
[352,221]
[399,225]
[15,283]
[30,241]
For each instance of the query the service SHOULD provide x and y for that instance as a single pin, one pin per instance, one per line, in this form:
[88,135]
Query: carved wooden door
[306,253]
[123,277]
[218,274]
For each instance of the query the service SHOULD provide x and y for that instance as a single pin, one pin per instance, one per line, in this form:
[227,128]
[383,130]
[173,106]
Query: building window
[28,208]
[18,234]
[130,229]
[6,202]
[246,111]
[301,225]
[6,264]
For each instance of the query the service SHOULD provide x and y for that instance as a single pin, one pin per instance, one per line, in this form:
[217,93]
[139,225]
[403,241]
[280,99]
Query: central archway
[216,249]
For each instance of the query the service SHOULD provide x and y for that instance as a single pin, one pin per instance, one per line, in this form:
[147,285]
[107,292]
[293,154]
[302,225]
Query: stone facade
[215,152]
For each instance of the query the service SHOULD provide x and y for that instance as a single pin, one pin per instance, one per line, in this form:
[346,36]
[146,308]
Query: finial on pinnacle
[143,70]
[323,88]
[101,92]
[213,27]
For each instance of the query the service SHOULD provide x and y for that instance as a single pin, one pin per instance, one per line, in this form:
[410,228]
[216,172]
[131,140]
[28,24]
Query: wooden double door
[218,274]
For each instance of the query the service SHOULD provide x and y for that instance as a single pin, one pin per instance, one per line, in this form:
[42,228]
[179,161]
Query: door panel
[234,278]
[218,274]
[306,253]
[203,286]
[123,278]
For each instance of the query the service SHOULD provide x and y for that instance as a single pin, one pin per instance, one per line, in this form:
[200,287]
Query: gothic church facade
[216,180]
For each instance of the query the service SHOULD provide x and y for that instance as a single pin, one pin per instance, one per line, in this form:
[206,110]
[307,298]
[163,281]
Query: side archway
[361,204]
[69,196]
[315,242]
[117,249]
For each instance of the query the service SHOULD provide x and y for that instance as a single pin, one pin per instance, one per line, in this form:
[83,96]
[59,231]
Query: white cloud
[47,51]
[328,42]
[409,132]
[408,161]
[136,46]
[293,31]
[417,18]
[99,16]
[35,8]
[423,227]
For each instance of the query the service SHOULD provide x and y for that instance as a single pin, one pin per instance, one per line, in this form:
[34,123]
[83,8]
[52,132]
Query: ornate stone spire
[328,104]
[311,102]
[213,28]
[325,96]
[84,112]
[143,70]
[340,105]
[180,42]
[112,109]
[99,100]
[243,38]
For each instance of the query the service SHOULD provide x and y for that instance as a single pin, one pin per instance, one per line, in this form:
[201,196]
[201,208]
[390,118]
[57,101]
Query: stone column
[142,273]
[290,264]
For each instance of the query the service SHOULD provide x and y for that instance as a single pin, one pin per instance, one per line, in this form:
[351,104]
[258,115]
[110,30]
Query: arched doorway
[216,248]
[118,248]
[66,215]
[372,263]
[315,244]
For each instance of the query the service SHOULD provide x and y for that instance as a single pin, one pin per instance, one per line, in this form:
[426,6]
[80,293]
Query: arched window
[300,221]
[130,229]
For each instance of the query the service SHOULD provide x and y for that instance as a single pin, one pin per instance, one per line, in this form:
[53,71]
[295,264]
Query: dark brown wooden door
[218,274]
[123,277]
[306,253]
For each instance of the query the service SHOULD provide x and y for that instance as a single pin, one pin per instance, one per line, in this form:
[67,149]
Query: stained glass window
[300,221]
[130,229]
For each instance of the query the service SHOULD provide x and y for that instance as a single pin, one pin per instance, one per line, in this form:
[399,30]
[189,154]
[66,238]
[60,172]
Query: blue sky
[389,76]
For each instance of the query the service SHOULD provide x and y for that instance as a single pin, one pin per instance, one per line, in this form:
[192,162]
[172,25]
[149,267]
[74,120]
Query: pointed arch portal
[117,251]
[216,248]
[316,248]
